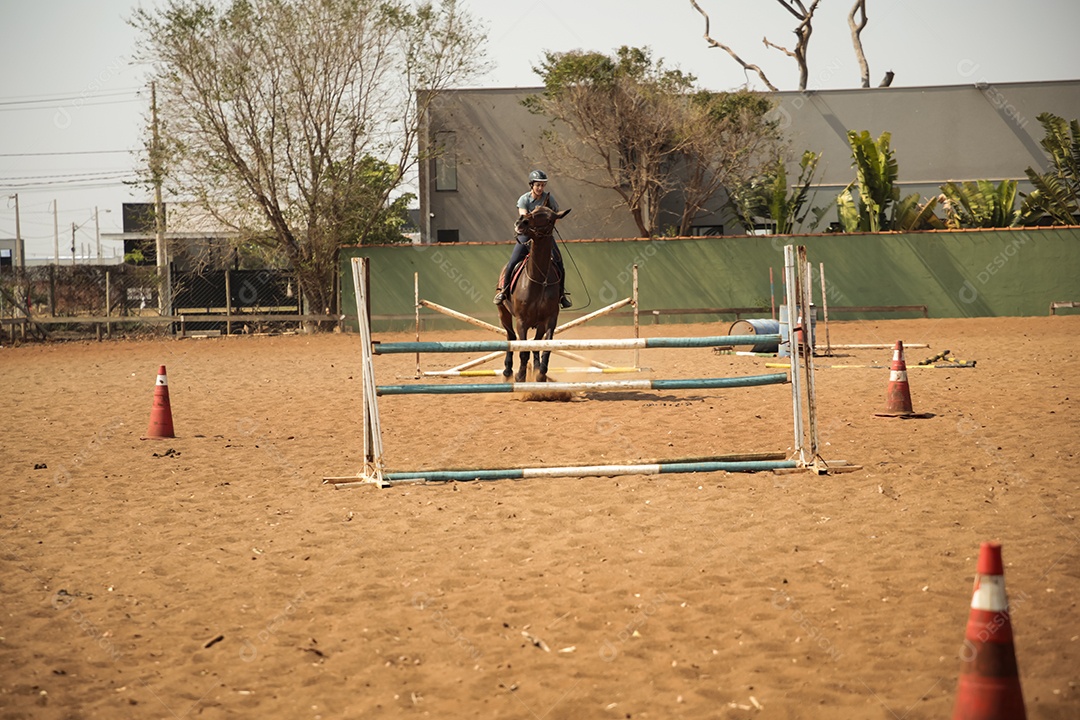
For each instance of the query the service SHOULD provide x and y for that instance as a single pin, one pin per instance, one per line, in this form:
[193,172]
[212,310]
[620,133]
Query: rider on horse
[528,202]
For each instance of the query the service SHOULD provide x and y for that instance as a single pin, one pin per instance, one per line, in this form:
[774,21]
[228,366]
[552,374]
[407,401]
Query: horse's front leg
[508,361]
[523,356]
[543,358]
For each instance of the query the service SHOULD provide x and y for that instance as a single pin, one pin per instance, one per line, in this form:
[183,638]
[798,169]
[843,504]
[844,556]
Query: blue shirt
[528,203]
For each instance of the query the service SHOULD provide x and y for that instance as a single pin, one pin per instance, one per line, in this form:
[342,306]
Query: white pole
[790,282]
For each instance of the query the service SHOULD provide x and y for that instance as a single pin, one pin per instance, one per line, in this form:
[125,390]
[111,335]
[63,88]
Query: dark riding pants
[521,248]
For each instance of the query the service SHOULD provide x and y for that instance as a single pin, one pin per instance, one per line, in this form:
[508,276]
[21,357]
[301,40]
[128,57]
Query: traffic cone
[989,687]
[161,425]
[898,394]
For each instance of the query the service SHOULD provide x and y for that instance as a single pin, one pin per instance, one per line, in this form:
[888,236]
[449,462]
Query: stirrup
[565,301]
[499,298]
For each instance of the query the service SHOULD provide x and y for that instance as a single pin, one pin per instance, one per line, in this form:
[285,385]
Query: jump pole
[685,384]
[460,346]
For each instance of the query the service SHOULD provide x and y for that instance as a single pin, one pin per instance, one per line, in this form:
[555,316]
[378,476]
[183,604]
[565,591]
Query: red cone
[989,687]
[898,394]
[161,425]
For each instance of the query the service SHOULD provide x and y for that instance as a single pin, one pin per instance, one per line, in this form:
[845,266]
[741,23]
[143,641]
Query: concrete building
[959,132]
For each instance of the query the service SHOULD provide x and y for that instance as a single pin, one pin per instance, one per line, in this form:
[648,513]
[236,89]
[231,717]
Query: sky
[73,104]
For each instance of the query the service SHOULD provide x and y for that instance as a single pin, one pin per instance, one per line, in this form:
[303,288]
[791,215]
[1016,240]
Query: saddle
[516,271]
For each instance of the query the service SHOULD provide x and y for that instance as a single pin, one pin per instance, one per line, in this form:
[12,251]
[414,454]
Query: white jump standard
[803,455]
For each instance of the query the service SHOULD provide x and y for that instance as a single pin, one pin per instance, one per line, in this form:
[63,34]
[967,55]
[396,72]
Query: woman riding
[536,197]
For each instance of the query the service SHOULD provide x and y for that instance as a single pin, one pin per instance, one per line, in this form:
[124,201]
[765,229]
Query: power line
[41,100]
[70,175]
[66,152]
[118,180]
[50,106]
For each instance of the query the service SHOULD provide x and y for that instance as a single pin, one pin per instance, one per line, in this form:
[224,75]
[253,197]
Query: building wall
[959,132]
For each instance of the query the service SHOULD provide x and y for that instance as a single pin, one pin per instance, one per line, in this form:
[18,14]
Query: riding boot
[564,300]
[499,296]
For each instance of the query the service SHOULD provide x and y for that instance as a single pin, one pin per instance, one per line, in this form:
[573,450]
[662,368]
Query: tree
[803,31]
[725,140]
[768,197]
[293,122]
[805,15]
[628,124]
[856,27]
[1057,193]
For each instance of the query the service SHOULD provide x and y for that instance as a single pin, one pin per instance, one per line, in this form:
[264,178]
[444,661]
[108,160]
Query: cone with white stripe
[898,394]
[161,425]
[989,687]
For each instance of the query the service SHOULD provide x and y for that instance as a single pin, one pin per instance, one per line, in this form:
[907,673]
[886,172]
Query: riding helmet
[537,176]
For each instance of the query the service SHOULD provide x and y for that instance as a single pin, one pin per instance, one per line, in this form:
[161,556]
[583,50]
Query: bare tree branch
[745,65]
[802,34]
[887,80]
[781,48]
[856,39]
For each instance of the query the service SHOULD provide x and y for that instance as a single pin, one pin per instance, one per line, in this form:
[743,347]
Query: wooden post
[228,302]
[52,290]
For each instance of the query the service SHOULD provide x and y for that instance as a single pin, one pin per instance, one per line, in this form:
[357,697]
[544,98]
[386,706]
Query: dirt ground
[214,575]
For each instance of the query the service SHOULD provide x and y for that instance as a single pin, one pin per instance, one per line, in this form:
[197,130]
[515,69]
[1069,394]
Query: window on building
[765,227]
[706,230]
[446,161]
[446,236]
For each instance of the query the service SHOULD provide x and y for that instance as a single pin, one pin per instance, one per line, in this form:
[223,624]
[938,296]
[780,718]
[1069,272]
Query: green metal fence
[975,273]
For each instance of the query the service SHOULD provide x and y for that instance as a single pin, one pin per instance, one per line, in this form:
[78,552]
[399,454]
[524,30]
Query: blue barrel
[785,336]
[757,326]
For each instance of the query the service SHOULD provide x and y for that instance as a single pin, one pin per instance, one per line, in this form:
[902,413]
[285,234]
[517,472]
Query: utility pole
[73,244]
[56,233]
[20,251]
[156,172]
[97,235]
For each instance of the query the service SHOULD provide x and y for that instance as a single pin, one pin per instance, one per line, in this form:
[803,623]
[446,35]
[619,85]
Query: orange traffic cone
[161,413]
[989,687]
[898,394]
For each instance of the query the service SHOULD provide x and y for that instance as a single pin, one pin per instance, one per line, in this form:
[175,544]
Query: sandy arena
[214,576]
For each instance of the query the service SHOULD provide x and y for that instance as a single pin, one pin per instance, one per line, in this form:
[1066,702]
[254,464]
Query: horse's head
[540,222]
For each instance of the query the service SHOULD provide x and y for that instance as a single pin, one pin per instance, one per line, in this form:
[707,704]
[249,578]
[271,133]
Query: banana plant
[875,181]
[1057,193]
[980,204]
[912,213]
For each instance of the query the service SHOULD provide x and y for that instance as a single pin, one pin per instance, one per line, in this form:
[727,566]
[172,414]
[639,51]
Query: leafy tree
[980,204]
[769,197]
[1057,192]
[724,140]
[646,133]
[294,121]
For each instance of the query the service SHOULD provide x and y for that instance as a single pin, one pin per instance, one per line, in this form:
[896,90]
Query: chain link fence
[85,301]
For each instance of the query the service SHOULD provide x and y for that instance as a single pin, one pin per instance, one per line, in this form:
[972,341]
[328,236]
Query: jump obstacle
[805,448]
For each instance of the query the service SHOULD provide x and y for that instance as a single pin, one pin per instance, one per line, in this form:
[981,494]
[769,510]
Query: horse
[533,302]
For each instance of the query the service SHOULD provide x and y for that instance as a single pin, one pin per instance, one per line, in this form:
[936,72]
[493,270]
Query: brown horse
[533,302]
